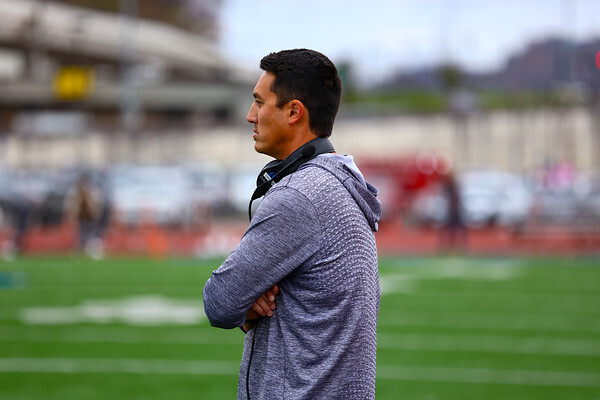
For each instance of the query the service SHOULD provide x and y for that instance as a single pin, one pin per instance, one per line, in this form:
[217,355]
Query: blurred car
[494,197]
[152,194]
[23,197]
[552,207]
[577,204]
[208,185]
[242,183]
[590,203]
[429,207]
[488,197]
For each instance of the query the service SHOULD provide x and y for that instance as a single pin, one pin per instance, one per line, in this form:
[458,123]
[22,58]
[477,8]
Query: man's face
[271,134]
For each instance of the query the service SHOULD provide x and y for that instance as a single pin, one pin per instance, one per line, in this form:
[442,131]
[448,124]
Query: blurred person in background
[453,235]
[21,208]
[84,207]
[303,281]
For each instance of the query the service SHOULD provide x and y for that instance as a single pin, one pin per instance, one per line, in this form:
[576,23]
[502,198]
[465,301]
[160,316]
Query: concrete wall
[518,141]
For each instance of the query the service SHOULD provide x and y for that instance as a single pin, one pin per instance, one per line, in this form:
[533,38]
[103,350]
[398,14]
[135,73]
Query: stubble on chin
[258,147]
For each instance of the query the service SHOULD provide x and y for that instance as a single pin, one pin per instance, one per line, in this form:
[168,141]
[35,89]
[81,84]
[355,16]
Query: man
[84,205]
[303,281]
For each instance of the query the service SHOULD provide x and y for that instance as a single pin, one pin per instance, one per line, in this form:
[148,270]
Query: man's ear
[296,111]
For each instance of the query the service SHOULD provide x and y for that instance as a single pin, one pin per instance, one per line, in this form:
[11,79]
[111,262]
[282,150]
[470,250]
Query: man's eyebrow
[256,96]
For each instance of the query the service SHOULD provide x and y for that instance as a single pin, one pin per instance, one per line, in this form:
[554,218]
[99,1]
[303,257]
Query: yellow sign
[73,83]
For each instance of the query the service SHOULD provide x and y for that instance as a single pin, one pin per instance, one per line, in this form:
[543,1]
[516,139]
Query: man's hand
[264,305]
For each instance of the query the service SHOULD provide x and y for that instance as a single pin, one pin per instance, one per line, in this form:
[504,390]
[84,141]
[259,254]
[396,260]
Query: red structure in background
[399,180]
[392,240]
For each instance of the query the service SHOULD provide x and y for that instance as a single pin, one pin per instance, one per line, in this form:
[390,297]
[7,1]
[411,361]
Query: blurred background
[479,123]
[126,167]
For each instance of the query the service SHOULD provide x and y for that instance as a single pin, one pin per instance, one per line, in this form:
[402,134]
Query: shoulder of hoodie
[338,173]
[332,166]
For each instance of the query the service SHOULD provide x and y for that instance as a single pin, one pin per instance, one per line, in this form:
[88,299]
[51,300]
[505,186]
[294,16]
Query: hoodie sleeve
[284,233]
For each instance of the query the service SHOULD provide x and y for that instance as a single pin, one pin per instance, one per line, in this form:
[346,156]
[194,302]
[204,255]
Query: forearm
[264,306]
[219,309]
[253,268]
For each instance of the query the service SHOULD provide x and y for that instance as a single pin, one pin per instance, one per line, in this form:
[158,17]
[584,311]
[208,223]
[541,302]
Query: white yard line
[568,302]
[205,367]
[419,342]
[489,376]
[119,366]
[497,320]
[110,334]
[488,343]
[403,282]
[141,310]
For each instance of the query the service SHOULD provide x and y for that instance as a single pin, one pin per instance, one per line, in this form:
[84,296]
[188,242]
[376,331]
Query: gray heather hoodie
[313,235]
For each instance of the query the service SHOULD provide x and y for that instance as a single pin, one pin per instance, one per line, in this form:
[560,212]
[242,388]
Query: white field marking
[488,343]
[113,334]
[107,289]
[204,367]
[572,305]
[119,366]
[476,269]
[571,302]
[397,283]
[424,342]
[489,376]
[472,269]
[405,282]
[135,310]
[505,320]
[462,268]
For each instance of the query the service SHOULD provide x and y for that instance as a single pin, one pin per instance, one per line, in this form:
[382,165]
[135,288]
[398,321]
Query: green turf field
[449,328]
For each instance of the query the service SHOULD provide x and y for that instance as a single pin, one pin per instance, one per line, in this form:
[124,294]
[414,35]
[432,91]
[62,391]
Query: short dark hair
[310,77]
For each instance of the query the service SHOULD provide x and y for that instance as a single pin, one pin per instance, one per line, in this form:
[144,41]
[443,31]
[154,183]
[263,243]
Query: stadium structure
[66,69]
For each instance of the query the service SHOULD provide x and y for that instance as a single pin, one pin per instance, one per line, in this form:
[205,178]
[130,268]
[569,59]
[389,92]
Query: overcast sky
[382,35]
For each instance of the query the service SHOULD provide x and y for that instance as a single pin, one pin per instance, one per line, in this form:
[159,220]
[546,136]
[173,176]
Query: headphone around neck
[275,170]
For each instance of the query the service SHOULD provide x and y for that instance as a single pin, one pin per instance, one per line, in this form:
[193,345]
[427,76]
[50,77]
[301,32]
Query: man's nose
[251,117]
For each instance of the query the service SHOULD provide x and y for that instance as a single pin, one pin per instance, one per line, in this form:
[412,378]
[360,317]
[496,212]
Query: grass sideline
[449,328]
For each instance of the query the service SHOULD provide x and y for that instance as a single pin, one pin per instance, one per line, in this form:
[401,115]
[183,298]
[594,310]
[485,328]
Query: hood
[346,171]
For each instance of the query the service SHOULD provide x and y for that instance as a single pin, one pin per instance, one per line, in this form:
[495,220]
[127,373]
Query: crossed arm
[245,285]
[262,307]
